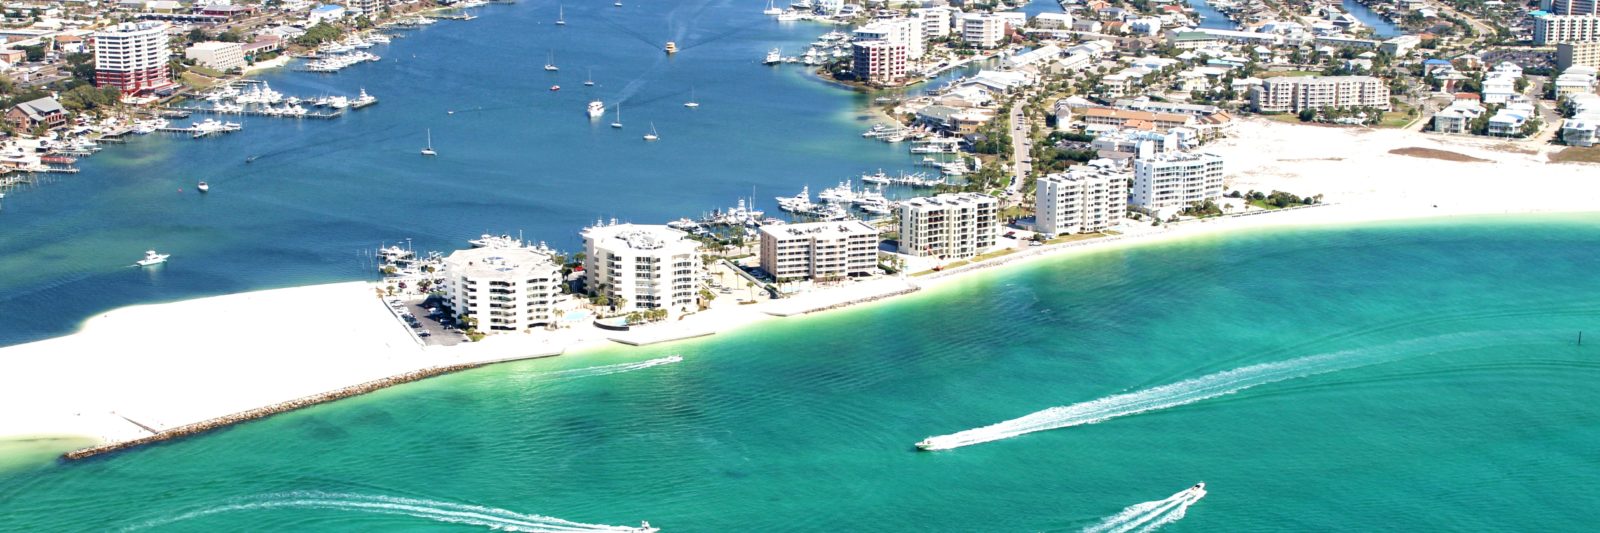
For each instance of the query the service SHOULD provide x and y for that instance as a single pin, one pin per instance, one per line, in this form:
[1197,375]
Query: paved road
[1020,143]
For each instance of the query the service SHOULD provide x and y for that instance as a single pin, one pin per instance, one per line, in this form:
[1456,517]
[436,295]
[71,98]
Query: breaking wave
[438,511]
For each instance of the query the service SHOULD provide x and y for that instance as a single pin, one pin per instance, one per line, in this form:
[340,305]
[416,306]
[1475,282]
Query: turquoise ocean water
[1417,376]
[1456,399]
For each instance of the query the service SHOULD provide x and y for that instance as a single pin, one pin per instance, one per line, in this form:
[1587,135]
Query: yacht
[152,258]
[428,151]
[618,123]
[797,203]
[551,65]
[790,16]
[203,186]
[843,193]
[364,99]
[561,16]
[652,135]
[671,48]
[774,56]
[596,109]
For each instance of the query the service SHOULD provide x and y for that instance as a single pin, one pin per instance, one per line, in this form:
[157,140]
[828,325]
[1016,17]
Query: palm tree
[752,286]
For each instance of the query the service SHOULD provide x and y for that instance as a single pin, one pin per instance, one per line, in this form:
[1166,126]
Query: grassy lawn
[1397,118]
[1075,237]
[1288,73]
[197,81]
[1576,154]
[1009,251]
[1263,204]
[1286,118]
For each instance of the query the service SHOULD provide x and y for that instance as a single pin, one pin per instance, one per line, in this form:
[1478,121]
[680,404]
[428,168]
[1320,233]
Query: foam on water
[438,511]
[1196,389]
[1149,516]
[606,370]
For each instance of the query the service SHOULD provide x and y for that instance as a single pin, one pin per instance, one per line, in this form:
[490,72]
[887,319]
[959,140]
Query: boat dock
[259,113]
[199,131]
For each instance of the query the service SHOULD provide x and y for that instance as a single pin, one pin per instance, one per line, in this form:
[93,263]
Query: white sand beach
[142,369]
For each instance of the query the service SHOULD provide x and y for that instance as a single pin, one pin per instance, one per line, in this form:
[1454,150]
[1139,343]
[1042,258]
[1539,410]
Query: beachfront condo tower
[504,289]
[819,251]
[949,226]
[1085,199]
[647,267]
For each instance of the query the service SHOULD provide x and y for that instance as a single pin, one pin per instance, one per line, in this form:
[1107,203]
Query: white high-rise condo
[504,289]
[1176,180]
[649,267]
[949,226]
[1293,94]
[1084,199]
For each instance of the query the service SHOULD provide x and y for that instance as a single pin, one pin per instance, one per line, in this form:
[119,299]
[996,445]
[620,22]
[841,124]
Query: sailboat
[691,103]
[618,123]
[429,150]
[652,135]
[551,65]
[589,81]
[771,10]
[561,16]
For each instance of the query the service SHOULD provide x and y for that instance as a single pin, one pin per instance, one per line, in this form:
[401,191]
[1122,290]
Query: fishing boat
[692,103]
[204,187]
[561,16]
[152,258]
[428,151]
[618,123]
[652,135]
[671,48]
[596,109]
[550,66]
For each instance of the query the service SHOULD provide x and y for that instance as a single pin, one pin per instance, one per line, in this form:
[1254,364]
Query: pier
[260,113]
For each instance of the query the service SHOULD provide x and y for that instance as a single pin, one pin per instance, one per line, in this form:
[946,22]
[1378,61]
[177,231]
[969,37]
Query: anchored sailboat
[551,64]
[652,135]
[429,150]
[618,123]
[561,16]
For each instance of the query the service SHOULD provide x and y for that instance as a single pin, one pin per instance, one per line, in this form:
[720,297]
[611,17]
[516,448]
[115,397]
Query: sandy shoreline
[137,373]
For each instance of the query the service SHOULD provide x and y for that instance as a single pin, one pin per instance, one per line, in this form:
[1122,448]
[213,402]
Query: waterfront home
[819,251]
[1458,117]
[31,114]
[1086,198]
[949,226]
[643,266]
[503,289]
[1508,122]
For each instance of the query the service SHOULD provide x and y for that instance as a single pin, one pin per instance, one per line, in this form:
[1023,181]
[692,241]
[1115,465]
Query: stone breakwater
[859,301]
[263,412]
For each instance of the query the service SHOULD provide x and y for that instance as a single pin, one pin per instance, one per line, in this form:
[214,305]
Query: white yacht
[203,186]
[152,258]
[774,56]
[364,99]
[597,109]
[652,135]
[843,193]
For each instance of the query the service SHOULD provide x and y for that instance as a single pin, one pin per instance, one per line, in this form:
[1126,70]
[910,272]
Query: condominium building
[935,21]
[1293,94]
[366,7]
[880,62]
[132,57]
[983,30]
[906,31]
[1571,7]
[504,289]
[1581,54]
[1086,198]
[1557,29]
[948,226]
[217,55]
[1176,180]
[819,250]
[649,267]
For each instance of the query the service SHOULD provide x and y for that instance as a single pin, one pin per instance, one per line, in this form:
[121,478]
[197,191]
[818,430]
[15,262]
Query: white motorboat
[597,109]
[428,151]
[152,258]
[925,444]
[774,56]
[203,186]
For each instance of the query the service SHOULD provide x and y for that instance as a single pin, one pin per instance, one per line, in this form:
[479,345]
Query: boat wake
[606,370]
[1150,516]
[438,511]
[1160,397]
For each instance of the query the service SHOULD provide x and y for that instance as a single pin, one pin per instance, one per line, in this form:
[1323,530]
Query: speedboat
[644,527]
[554,88]
[1198,487]
[152,258]
[203,187]
[926,445]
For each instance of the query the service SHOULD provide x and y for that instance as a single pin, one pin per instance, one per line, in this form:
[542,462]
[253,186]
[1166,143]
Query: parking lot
[423,317]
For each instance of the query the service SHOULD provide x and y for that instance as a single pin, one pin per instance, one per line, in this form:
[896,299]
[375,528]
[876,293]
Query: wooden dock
[256,113]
